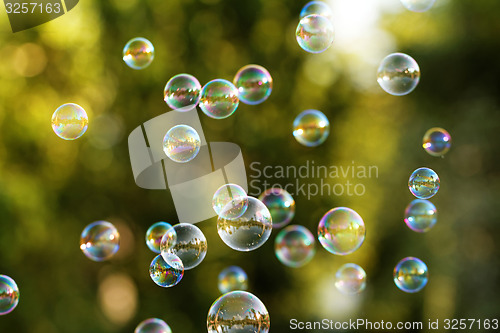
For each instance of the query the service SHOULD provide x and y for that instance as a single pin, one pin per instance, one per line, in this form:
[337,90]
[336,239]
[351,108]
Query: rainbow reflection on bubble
[294,246]
[398,74]
[219,99]
[436,141]
[280,204]
[418,5]
[232,278]
[70,121]
[155,233]
[190,245]
[350,279]
[424,183]
[341,231]
[420,215]
[315,33]
[9,295]
[311,128]
[411,275]
[100,241]
[166,274]
[230,193]
[181,143]
[254,84]
[153,325]
[138,53]
[318,8]
[182,92]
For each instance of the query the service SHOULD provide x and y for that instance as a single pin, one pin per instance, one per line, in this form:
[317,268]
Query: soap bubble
[411,275]
[230,193]
[182,92]
[314,33]
[238,312]
[437,141]
[280,204]
[219,99]
[190,245]
[248,231]
[418,5]
[138,53]
[70,121]
[423,183]
[166,274]
[311,128]
[181,143]
[294,246]
[398,74]
[350,279]
[341,231]
[318,8]
[254,84]
[153,325]
[420,215]
[232,278]
[9,295]
[155,234]
[100,241]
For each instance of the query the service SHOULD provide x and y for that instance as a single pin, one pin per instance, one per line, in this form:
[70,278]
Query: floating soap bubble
[341,231]
[423,183]
[238,312]
[314,33]
[437,141]
[100,241]
[411,275]
[420,215]
[182,92]
[318,8]
[190,245]
[155,234]
[350,279]
[181,143]
[280,204]
[230,193]
[254,84]
[138,53]
[153,325]
[232,278]
[418,5]
[219,99]
[294,246]
[9,295]
[166,274]
[70,121]
[248,231]
[398,74]
[311,128]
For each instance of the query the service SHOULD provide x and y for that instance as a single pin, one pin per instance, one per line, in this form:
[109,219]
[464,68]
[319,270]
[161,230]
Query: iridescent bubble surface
[219,99]
[230,193]
[420,215]
[418,5]
[315,33]
[232,278]
[398,74]
[318,8]
[311,128]
[190,246]
[155,234]
[280,204]
[254,84]
[248,231]
[181,143]
[437,141]
[424,183]
[350,279]
[138,53]
[166,274]
[294,246]
[153,325]
[70,121]
[341,231]
[238,312]
[100,240]
[411,275]
[182,92]
[9,294]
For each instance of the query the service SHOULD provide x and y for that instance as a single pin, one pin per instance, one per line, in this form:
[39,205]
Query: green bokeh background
[50,189]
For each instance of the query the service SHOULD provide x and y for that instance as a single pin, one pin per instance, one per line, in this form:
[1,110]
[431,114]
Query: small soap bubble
[232,278]
[411,275]
[182,92]
[254,84]
[294,246]
[423,183]
[318,8]
[248,231]
[315,33]
[230,193]
[350,279]
[70,121]
[418,5]
[311,128]
[166,274]
[219,99]
[398,74]
[420,215]
[181,143]
[100,241]
[341,231]
[138,53]
[153,325]
[280,204]
[9,295]
[238,311]
[190,245]
[437,141]
[155,234]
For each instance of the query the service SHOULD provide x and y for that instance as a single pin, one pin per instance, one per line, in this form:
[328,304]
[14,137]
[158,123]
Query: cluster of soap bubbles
[315,29]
